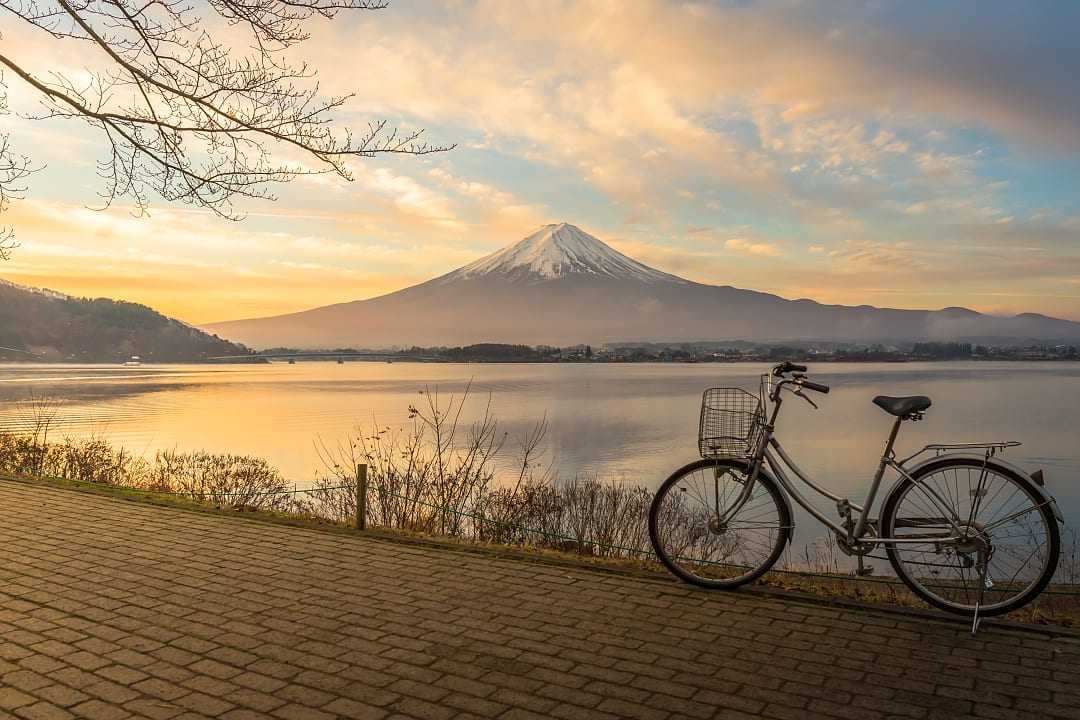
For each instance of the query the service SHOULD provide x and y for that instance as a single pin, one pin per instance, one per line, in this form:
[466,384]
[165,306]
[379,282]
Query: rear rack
[989,448]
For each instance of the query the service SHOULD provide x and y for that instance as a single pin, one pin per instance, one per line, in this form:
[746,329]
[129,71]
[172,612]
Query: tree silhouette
[182,115]
[13,170]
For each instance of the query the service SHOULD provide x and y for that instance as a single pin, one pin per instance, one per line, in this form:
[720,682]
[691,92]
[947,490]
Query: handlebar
[781,369]
[816,387]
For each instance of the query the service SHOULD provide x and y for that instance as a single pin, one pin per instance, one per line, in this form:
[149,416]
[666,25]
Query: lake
[625,422]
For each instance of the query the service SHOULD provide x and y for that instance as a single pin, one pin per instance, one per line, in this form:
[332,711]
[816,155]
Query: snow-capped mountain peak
[559,250]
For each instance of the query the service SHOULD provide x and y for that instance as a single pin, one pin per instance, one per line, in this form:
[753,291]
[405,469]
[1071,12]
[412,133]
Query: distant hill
[562,286]
[58,327]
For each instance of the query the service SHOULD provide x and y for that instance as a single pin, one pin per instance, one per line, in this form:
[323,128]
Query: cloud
[410,197]
[895,142]
[745,247]
[875,256]
[862,136]
[498,209]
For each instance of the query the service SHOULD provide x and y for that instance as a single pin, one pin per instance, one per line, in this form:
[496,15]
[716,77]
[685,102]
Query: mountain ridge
[560,285]
[50,325]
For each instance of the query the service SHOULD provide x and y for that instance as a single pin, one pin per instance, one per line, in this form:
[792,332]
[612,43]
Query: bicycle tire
[920,589]
[774,496]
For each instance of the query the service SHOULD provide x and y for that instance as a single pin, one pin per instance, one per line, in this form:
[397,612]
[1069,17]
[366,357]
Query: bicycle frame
[770,452]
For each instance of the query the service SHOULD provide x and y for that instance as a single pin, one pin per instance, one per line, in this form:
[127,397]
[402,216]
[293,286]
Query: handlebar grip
[816,387]
[786,367]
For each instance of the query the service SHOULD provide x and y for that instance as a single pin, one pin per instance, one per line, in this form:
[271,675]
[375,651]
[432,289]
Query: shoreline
[332,359]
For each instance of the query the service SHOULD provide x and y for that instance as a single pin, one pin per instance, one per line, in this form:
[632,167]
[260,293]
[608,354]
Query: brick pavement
[113,609]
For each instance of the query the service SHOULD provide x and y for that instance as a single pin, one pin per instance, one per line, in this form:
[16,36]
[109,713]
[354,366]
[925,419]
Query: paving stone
[62,695]
[161,689]
[111,609]
[98,710]
[204,704]
[254,699]
[153,708]
[346,708]
[43,711]
[121,674]
[25,680]
[11,698]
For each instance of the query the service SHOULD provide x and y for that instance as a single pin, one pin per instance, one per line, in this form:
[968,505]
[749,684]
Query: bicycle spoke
[702,529]
[998,516]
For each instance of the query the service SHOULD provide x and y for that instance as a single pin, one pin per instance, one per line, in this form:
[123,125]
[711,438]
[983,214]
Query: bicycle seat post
[886,456]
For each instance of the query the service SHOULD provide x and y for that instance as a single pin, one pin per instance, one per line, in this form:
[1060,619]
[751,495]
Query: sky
[898,154]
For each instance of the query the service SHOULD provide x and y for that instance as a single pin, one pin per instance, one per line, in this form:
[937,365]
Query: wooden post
[361,497]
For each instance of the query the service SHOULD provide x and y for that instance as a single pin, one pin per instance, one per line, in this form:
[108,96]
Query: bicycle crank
[857,549]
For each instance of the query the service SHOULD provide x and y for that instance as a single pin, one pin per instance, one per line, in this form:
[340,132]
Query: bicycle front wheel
[1001,514]
[701,533]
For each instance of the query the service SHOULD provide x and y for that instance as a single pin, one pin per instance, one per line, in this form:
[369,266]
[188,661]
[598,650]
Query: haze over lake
[626,422]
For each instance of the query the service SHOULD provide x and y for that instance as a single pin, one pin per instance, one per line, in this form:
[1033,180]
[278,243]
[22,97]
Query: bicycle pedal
[865,571]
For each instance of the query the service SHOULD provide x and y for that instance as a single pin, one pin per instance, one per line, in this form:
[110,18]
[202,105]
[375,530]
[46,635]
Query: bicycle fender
[1000,464]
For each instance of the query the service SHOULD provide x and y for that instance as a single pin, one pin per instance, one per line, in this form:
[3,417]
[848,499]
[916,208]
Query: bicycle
[965,530]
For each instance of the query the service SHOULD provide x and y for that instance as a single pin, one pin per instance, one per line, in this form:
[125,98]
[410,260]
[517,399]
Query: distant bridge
[329,355]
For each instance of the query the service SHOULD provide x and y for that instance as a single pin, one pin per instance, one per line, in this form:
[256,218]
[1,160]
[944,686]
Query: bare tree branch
[184,117]
[14,169]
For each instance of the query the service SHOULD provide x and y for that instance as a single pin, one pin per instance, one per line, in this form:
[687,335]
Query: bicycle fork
[722,518]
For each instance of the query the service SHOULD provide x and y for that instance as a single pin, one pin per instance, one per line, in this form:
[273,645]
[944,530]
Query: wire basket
[732,421]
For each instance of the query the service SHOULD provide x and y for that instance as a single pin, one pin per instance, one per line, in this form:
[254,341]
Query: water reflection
[629,422]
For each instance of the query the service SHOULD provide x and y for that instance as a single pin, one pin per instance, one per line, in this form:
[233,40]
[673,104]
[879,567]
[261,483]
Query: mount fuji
[563,286]
[559,251]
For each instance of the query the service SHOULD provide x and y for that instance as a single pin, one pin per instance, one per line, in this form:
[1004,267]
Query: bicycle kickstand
[985,583]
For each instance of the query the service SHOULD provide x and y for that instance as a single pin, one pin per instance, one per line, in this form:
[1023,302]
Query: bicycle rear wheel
[692,541]
[1001,511]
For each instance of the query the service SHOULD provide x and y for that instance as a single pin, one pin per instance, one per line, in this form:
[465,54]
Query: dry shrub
[1069,566]
[222,479]
[439,476]
[26,451]
[235,481]
[94,460]
[19,454]
[425,478]
[79,459]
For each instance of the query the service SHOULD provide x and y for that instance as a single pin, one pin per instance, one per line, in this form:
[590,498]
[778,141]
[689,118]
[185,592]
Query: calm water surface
[632,423]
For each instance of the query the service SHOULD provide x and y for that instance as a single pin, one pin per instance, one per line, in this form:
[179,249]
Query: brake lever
[800,393]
